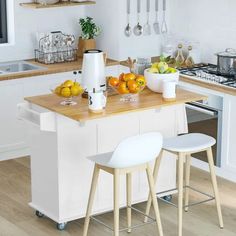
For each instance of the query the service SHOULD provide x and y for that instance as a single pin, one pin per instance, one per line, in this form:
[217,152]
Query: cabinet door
[12,134]
[163,121]
[111,131]
[229,133]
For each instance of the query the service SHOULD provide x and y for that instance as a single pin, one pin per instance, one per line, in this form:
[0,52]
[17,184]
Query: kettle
[93,70]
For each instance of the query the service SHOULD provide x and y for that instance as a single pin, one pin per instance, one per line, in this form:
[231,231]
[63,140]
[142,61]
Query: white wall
[111,15]
[30,21]
[211,22]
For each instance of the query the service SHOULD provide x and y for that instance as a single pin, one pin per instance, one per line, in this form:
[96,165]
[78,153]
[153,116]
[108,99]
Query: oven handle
[202,109]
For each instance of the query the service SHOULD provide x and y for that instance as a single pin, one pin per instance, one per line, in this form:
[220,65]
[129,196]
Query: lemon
[76,90]
[65,92]
[57,90]
[68,83]
[155,65]
[153,70]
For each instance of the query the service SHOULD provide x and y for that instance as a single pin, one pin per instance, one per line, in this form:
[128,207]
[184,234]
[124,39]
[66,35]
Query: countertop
[212,86]
[147,100]
[52,69]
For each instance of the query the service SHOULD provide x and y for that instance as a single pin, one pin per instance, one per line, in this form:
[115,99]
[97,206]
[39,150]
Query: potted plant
[89,32]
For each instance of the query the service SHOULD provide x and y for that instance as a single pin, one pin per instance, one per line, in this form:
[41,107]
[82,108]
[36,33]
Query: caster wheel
[61,226]
[39,214]
[168,198]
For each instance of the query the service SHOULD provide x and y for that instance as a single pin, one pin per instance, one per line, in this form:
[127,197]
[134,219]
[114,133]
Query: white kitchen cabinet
[12,132]
[229,132]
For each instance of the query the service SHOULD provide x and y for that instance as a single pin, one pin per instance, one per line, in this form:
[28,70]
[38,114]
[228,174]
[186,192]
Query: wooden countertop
[52,69]
[80,112]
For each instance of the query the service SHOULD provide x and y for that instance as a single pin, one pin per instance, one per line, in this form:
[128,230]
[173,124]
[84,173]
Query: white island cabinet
[61,139]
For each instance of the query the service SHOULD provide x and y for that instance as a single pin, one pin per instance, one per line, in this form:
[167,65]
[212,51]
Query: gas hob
[208,73]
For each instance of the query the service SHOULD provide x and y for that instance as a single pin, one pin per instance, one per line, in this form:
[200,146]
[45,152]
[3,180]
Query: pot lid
[229,52]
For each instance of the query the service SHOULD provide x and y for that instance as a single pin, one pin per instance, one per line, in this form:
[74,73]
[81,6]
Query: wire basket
[56,57]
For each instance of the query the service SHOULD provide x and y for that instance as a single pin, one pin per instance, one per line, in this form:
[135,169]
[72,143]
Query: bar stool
[132,154]
[183,146]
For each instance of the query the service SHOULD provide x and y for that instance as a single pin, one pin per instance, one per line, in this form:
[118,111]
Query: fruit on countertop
[68,89]
[127,83]
[161,68]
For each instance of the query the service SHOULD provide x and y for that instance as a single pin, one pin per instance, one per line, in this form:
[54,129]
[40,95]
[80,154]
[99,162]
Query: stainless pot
[226,62]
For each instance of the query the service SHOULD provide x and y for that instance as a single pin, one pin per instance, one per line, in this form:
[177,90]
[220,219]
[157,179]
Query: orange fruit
[121,77]
[129,76]
[133,86]
[122,88]
[141,80]
[113,81]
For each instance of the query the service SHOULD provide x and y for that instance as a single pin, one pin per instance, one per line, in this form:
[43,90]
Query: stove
[208,73]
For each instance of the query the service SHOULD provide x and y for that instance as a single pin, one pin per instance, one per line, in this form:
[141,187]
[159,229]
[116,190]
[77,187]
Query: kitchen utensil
[138,29]
[128,30]
[147,26]
[164,25]
[93,70]
[226,62]
[156,25]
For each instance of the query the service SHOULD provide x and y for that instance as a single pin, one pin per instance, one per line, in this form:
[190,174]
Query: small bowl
[155,80]
[67,101]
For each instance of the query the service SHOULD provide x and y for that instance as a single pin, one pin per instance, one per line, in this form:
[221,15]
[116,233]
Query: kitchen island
[62,137]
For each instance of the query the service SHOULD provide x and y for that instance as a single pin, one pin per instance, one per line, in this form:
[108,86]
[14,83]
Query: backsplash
[211,22]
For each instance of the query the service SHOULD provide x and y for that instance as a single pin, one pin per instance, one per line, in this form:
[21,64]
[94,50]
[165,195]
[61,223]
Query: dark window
[3,21]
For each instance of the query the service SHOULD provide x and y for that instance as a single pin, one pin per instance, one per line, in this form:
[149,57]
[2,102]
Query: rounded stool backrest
[137,150]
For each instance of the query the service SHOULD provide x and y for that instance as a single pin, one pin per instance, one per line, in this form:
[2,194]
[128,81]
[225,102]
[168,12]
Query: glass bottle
[189,61]
[180,58]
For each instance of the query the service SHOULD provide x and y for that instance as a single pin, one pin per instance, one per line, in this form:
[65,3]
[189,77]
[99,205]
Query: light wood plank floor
[18,219]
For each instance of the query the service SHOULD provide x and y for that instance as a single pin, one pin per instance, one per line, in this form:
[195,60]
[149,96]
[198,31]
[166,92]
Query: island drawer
[38,116]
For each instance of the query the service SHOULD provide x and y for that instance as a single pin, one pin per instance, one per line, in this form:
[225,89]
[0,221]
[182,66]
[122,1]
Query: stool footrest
[152,220]
[210,198]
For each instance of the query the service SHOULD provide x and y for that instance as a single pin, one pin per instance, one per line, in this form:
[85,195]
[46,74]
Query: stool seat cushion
[192,142]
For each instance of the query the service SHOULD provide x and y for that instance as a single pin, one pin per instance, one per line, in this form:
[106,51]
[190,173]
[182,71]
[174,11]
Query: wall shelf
[59,4]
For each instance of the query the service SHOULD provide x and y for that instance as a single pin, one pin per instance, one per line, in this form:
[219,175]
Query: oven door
[206,120]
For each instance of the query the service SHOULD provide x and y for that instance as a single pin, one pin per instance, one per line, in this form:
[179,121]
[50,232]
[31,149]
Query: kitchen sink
[17,67]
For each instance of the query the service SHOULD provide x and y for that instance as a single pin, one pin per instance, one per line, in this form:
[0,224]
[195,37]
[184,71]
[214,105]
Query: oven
[205,117]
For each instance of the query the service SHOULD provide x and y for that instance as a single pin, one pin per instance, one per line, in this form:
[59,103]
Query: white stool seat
[193,142]
[132,151]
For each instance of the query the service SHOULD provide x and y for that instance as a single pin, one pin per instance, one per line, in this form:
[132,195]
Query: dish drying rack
[56,47]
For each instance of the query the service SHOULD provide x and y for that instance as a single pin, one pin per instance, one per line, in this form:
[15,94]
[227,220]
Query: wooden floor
[18,219]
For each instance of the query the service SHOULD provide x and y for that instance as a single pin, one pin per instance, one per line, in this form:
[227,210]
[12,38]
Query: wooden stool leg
[116,202]
[129,195]
[91,199]
[187,180]
[154,200]
[180,192]
[155,173]
[214,184]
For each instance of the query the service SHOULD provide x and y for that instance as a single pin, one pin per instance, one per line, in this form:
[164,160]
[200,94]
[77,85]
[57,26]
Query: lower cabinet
[229,134]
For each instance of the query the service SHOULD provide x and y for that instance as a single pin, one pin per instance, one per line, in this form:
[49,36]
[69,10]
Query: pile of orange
[127,83]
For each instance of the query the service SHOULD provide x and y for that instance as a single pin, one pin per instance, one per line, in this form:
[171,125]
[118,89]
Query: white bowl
[45,2]
[155,81]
